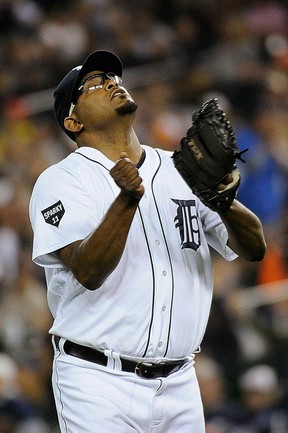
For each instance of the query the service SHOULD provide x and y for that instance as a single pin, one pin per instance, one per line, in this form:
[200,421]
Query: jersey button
[164,273]
[164,308]
[157,242]
[160,344]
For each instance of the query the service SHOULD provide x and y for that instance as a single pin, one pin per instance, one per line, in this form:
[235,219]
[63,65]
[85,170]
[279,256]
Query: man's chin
[128,107]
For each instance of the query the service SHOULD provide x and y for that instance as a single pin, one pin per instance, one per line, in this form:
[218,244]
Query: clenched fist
[126,177]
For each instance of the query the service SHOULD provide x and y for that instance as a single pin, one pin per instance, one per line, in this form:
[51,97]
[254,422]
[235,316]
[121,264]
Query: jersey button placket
[163,293]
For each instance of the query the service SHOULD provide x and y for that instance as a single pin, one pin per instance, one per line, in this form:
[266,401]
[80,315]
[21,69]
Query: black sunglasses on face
[96,82]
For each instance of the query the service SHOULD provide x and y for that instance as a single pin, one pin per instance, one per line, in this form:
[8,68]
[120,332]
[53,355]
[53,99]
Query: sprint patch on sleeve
[54,213]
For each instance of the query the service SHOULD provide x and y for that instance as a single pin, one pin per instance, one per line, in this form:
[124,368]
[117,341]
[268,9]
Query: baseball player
[125,247]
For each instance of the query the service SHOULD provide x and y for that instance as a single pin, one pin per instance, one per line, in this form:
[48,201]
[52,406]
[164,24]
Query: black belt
[145,369]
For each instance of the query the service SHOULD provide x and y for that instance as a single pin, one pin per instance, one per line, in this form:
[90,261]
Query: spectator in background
[17,415]
[262,397]
[262,169]
[222,413]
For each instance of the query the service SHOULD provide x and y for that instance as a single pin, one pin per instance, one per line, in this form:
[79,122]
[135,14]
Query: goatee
[128,107]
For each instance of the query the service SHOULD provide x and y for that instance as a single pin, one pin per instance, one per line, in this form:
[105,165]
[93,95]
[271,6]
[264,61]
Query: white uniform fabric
[156,302]
[103,400]
[154,305]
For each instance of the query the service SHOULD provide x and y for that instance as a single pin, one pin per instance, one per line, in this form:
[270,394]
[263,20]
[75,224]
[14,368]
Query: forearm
[245,232]
[93,259]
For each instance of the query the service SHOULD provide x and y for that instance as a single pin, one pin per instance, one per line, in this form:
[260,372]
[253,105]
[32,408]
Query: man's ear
[72,124]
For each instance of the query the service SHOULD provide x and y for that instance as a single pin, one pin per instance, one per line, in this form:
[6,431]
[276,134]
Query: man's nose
[109,84]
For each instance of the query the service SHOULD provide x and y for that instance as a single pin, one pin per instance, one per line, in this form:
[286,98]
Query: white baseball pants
[94,399]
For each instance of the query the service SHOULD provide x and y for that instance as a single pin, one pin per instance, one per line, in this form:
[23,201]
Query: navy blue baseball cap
[65,93]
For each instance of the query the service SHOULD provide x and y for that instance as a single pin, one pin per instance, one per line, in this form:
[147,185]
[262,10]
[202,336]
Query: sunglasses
[96,82]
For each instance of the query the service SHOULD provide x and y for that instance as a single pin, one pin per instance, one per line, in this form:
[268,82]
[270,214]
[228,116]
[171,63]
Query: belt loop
[54,343]
[110,361]
[113,360]
[58,343]
[118,363]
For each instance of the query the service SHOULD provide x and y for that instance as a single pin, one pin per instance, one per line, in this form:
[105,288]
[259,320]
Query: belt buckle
[146,369]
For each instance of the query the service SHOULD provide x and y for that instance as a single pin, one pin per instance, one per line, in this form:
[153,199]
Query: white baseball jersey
[156,302]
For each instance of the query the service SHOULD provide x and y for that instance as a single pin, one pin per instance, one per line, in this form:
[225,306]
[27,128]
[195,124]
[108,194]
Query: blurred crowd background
[176,54]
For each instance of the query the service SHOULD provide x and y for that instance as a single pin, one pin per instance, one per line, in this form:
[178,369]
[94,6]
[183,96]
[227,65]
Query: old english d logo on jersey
[187,222]
[54,213]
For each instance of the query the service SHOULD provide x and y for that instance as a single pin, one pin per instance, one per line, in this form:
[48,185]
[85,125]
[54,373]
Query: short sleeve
[61,212]
[216,233]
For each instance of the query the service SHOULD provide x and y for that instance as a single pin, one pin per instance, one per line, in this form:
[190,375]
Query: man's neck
[113,143]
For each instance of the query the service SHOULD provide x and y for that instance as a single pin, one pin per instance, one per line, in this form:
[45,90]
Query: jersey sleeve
[216,233]
[61,212]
